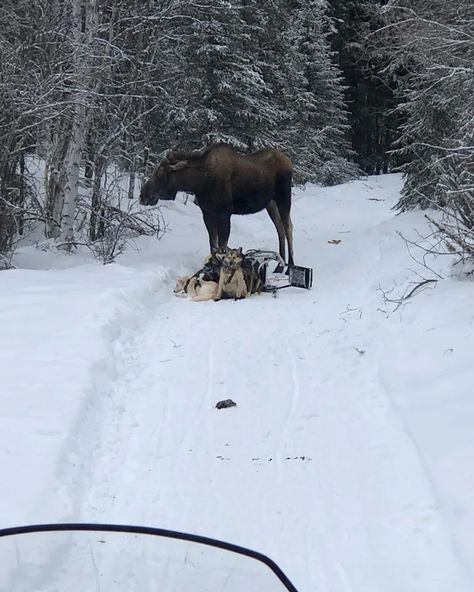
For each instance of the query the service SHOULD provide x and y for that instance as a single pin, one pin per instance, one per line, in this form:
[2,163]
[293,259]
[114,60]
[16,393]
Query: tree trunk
[131,181]
[21,196]
[54,182]
[72,164]
[387,143]
[64,175]
[96,201]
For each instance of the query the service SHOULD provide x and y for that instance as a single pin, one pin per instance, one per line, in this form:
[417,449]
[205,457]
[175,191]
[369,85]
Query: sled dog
[252,276]
[197,289]
[231,279]
[202,285]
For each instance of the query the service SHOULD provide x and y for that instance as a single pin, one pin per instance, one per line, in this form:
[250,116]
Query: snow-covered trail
[314,466]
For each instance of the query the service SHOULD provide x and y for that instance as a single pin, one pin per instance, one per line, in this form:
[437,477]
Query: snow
[348,458]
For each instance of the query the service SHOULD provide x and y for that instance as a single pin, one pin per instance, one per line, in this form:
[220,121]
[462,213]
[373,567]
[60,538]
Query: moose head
[163,183]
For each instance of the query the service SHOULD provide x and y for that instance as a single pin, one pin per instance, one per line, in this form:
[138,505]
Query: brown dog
[231,280]
[252,276]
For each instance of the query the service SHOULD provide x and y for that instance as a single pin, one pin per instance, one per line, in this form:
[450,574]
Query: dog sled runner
[276,277]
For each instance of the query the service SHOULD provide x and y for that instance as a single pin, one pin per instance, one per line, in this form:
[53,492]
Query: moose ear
[178,166]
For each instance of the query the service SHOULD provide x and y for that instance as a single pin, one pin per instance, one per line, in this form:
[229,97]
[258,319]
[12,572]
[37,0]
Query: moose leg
[223,228]
[210,220]
[283,201]
[274,214]
[288,226]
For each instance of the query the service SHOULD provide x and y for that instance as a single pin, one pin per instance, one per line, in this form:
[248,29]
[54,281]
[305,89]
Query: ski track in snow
[315,466]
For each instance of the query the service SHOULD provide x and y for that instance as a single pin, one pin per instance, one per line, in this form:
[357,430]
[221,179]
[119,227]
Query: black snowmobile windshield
[113,558]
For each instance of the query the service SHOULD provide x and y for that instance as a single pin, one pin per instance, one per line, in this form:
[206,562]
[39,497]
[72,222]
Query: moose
[225,182]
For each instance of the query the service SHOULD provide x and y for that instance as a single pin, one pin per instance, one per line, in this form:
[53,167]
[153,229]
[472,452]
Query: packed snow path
[316,465]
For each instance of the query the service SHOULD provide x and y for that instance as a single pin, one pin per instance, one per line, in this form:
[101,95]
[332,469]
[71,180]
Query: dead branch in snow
[411,290]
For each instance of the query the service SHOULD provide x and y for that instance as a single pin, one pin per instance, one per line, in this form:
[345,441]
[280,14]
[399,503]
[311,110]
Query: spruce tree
[435,40]
[254,74]
[319,131]
[370,85]
[221,95]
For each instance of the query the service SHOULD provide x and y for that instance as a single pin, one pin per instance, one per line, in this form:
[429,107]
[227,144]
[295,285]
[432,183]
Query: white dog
[198,289]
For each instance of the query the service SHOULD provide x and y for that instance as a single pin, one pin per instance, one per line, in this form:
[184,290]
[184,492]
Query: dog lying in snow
[226,274]
[197,289]
[203,284]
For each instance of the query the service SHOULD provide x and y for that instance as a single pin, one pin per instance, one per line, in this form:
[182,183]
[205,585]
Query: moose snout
[147,197]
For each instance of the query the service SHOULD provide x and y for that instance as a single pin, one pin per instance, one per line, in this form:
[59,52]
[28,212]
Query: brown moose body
[225,182]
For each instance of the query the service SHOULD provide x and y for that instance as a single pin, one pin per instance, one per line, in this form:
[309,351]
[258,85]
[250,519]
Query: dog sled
[276,275]
[231,273]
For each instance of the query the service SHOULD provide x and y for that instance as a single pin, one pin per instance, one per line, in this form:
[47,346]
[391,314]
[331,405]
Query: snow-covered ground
[349,458]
